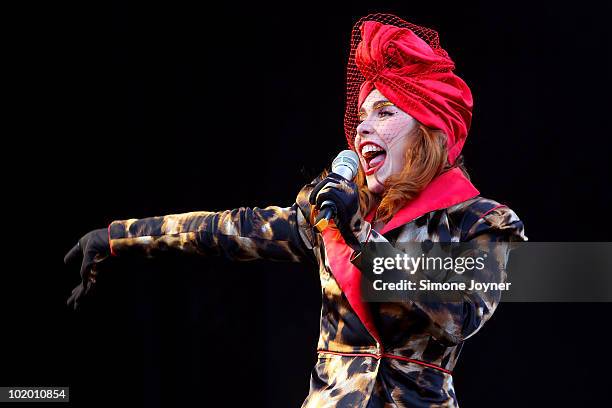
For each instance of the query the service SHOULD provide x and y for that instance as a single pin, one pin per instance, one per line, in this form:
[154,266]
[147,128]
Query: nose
[365,128]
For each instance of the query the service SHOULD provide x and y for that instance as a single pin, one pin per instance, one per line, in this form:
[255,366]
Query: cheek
[398,141]
[398,157]
[393,133]
[403,127]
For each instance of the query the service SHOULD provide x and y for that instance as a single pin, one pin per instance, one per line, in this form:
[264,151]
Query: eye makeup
[378,105]
[382,104]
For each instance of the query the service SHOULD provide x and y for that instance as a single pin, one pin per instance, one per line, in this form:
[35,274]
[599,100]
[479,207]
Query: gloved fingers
[330,194]
[82,290]
[73,254]
[93,273]
[312,199]
[73,300]
[335,176]
[87,265]
[325,182]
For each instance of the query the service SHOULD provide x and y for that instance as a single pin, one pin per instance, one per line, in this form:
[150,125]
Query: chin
[375,187]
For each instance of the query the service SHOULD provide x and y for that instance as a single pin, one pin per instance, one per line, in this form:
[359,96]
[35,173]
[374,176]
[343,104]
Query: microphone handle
[327,212]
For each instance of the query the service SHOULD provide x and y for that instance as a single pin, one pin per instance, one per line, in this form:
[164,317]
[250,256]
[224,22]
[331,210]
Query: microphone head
[346,164]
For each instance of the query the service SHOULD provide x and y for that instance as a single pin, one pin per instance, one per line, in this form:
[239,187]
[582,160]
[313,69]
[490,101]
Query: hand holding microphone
[337,197]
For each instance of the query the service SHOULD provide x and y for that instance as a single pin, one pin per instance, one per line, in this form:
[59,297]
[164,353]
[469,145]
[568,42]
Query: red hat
[407,65]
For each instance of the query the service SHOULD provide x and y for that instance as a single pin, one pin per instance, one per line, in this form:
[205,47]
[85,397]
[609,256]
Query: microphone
[345,165]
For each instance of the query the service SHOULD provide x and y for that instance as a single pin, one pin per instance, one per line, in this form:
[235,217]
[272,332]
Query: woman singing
[407,118]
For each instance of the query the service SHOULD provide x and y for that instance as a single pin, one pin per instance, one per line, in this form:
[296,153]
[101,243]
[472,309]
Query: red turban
[413,72]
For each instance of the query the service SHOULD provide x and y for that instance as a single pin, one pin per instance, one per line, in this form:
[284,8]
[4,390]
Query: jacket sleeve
[495,233]
[243,234]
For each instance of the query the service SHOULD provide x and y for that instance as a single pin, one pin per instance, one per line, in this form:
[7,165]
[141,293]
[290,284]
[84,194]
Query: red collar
[446,190]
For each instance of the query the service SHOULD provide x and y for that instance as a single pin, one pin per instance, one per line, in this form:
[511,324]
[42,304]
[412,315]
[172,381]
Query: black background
[128,111]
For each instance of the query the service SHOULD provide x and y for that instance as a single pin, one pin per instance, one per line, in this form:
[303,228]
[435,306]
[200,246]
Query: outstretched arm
[273,233]
[242,234]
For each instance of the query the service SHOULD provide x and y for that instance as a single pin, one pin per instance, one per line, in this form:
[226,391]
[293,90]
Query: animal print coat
[369,355]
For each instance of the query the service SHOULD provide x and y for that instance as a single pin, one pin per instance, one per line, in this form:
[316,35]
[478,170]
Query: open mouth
[374,157]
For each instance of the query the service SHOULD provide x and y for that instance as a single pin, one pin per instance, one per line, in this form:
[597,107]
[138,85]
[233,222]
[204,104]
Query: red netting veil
[406,63]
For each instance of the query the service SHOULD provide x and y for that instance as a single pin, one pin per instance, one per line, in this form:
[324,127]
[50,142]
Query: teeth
[370,148]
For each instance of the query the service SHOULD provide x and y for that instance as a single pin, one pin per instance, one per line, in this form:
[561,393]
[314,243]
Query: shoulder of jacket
[484,212]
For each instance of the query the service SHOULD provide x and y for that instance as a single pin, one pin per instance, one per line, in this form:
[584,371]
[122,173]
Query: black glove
[345,195]
[93,248]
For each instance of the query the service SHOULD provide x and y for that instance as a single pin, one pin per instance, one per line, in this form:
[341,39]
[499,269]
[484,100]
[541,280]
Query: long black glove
[345,195]
[92,248]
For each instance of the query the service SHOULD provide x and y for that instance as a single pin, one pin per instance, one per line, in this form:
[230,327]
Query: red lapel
[446,190]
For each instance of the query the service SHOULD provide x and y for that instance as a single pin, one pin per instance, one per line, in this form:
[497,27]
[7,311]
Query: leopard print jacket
[411,362]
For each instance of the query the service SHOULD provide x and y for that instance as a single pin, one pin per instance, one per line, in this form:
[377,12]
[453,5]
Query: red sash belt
[387,355]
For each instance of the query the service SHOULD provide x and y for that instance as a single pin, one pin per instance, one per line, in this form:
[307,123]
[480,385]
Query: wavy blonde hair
[426,158]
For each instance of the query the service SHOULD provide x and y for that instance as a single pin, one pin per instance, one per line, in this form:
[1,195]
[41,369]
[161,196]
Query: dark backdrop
[142,110]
